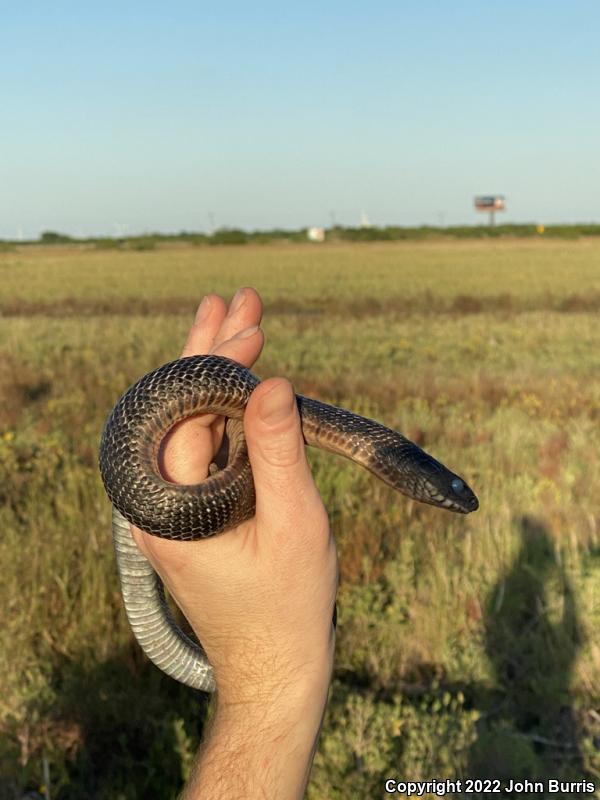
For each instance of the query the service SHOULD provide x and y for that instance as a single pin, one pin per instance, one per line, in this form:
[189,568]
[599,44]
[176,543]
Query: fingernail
[247,332]
[276,405]
[239,298]
[203,310]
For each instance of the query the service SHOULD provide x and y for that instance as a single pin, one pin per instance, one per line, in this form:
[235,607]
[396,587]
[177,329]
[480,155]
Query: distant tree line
[389,233]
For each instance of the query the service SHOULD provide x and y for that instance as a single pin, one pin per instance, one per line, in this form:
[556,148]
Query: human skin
[261,596]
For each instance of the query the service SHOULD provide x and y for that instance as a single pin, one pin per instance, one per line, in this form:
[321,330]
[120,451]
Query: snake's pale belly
[213,384]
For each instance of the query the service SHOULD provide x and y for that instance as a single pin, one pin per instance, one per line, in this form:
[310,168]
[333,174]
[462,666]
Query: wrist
[262,739]
[274,680]
[277,698]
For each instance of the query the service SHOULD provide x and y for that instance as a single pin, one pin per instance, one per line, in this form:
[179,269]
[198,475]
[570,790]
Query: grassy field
[467,646]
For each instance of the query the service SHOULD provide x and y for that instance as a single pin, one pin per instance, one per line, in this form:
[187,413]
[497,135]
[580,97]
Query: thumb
[282,477]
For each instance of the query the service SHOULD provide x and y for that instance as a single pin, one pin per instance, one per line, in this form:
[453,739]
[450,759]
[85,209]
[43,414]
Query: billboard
[490,202]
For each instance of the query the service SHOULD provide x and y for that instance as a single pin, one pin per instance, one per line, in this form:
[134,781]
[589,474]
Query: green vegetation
[338,233]
[52,237]
[467,646]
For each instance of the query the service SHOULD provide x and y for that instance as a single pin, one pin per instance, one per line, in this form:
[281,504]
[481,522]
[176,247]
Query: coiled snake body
[140,495]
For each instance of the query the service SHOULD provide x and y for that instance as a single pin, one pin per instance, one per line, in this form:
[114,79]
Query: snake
[140,495]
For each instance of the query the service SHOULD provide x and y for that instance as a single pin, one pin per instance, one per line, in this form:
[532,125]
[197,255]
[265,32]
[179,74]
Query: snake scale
[129,467]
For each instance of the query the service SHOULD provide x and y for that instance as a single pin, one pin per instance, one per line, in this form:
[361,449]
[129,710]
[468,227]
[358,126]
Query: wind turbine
[121,229]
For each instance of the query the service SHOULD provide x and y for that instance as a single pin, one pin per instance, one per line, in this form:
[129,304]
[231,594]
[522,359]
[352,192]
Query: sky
[130,117]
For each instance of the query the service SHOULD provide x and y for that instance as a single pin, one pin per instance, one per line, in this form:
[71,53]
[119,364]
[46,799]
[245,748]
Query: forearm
[261,749]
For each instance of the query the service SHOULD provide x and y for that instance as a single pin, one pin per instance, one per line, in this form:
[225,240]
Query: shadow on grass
[121,730]
[528,728]
[117,732]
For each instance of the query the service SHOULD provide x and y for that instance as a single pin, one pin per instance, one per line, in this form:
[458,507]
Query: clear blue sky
[162,116]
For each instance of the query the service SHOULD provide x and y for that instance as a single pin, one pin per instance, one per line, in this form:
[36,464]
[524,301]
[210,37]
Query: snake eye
[457,485]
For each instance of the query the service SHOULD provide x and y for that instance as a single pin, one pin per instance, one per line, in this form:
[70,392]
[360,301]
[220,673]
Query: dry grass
[463,642]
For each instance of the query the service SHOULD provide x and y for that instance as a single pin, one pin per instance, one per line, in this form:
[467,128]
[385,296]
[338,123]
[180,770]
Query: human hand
[261,596]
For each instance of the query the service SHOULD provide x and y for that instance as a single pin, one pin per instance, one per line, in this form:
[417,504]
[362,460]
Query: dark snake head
[414,472]
[452,492]
[444,489]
